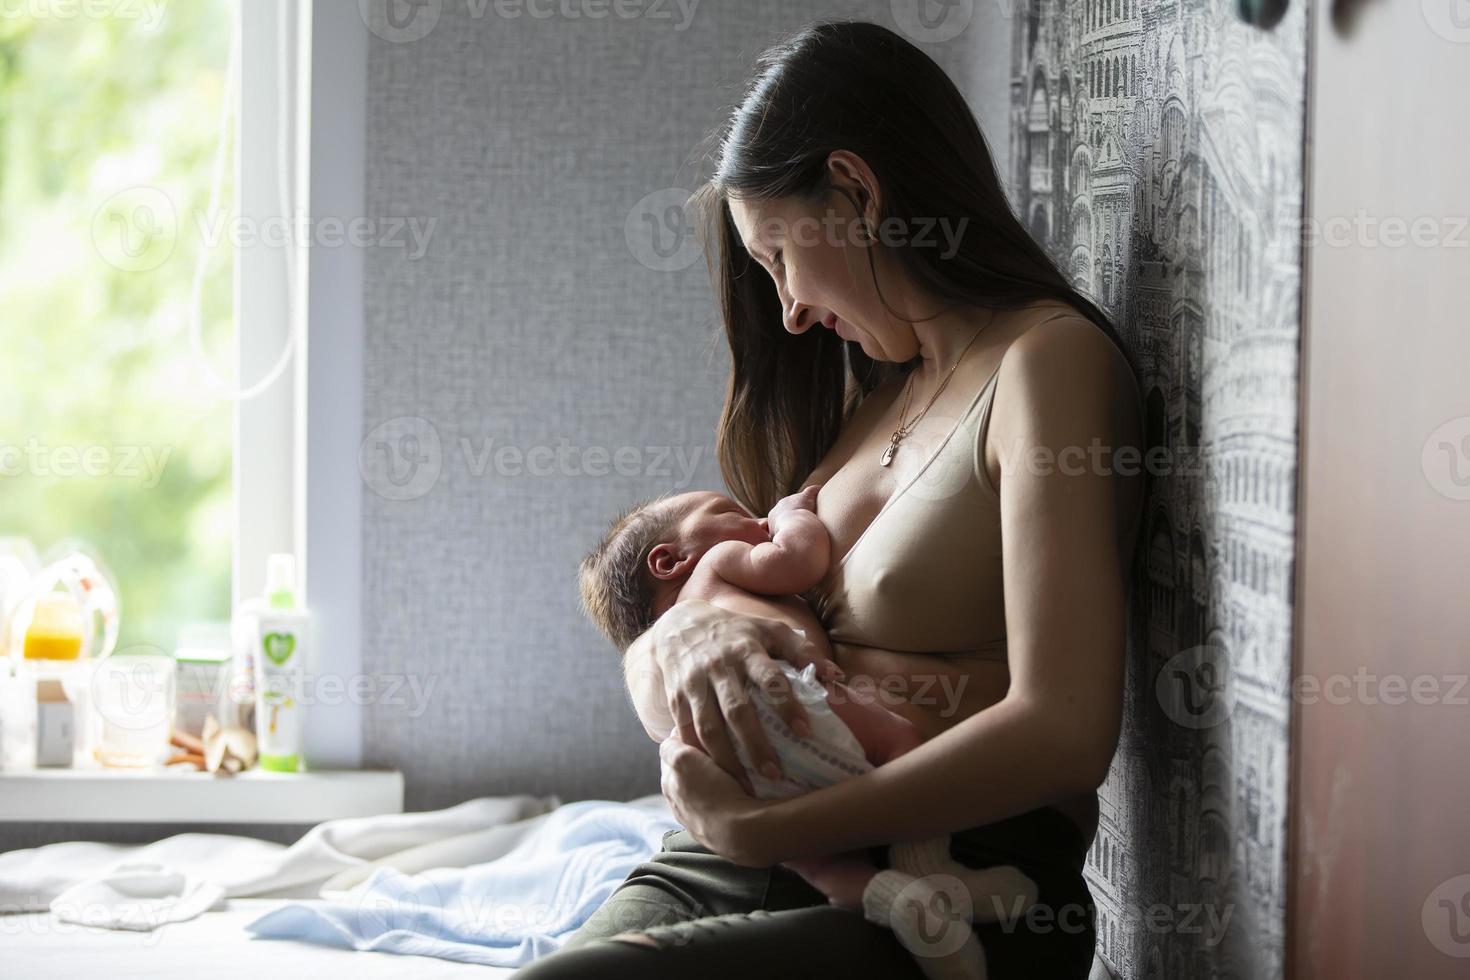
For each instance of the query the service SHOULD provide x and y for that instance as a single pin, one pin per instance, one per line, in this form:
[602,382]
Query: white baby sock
[923,857]
[995,893]
[926,919]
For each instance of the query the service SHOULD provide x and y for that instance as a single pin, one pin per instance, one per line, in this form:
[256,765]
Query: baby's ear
[665,561]
[661,560]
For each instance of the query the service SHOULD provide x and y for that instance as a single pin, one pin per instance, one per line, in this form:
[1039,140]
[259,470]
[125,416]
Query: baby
[703,545]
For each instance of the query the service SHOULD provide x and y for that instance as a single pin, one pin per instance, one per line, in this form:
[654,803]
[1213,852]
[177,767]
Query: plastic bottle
[276,631]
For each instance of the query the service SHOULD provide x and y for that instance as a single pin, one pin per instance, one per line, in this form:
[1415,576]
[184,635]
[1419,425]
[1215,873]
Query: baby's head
[638,567]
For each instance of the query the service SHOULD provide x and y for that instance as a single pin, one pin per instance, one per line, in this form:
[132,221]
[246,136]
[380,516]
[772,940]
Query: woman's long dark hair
[858,87]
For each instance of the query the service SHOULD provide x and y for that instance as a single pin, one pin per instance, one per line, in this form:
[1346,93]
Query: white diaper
[832,753]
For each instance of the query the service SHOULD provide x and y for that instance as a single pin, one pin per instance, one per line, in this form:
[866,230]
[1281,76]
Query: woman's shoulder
[1064,363]
[1062,345]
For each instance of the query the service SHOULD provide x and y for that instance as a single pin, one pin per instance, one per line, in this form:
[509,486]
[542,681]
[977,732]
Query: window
[110,128]
[133,389]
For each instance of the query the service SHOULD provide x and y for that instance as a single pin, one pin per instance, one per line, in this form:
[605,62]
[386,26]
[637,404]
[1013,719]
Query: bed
[483,887]
[214,945]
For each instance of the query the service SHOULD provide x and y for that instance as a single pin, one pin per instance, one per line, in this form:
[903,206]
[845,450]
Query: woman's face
[814,253]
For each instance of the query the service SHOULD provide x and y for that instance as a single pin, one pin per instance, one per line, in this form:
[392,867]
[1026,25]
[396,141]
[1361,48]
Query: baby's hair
[617,591]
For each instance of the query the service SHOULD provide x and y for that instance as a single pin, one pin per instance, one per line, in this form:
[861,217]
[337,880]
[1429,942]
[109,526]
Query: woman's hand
[711,660]
[709,804]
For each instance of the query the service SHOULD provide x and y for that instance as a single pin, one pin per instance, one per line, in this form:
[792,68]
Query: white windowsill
[119,796]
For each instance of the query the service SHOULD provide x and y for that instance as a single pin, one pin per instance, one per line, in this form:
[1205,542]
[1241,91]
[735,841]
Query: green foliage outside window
[111,431]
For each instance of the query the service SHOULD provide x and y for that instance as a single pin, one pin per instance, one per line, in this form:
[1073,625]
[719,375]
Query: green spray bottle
[281,632]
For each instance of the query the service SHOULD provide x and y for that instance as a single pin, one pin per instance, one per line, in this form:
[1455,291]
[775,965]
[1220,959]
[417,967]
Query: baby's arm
[794,560]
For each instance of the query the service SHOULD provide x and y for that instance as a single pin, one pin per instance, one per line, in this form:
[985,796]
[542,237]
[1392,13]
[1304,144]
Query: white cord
[229,103]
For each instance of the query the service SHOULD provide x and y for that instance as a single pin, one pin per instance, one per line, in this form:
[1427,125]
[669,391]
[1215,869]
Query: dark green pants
[714,920]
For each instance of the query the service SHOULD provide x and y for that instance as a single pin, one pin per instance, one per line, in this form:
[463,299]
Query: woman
[898,338]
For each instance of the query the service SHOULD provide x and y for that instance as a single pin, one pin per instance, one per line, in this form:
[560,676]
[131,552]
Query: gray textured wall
[551,309]
[1157,150]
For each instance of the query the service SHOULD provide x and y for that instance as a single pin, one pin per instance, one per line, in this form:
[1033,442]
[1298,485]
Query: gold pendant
[888,453]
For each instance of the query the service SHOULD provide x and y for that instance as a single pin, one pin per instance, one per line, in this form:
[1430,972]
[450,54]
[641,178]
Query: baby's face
[714,517]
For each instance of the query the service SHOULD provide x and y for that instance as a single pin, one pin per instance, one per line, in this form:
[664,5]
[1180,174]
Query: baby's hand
[801,500]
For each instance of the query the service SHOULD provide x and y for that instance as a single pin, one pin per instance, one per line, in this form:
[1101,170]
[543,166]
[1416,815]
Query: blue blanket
[503,913]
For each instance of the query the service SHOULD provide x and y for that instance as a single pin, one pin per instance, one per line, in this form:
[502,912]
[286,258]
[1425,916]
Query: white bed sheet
[215,945]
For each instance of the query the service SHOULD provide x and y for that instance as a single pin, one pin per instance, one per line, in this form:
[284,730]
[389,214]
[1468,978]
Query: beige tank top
[925,576]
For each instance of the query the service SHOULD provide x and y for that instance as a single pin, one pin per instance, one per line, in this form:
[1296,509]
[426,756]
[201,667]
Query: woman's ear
[851,176]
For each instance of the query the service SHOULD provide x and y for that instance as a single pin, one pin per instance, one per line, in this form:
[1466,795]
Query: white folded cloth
[98,874]
[140,897]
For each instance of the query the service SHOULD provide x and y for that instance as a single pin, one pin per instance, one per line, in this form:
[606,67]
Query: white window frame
[297,486]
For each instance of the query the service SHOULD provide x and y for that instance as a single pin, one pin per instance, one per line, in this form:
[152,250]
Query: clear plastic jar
[133,697]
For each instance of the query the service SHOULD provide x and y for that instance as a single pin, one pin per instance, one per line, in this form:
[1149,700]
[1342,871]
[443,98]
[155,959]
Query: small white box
[55,724]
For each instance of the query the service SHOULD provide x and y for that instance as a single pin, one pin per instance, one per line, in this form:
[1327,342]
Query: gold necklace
[905,428]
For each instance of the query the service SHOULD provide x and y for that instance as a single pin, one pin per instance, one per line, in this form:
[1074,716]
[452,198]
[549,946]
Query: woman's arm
[1053,735]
